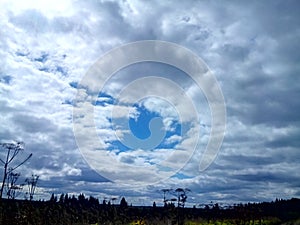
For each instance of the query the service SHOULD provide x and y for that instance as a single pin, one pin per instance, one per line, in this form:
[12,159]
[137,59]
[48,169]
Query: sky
[47,48]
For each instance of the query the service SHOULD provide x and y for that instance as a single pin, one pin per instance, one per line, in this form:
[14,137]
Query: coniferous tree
[53,198]
[123,203]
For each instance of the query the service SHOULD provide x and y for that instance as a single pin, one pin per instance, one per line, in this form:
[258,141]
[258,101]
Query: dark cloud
[251,46]
[30,20]
[33,124]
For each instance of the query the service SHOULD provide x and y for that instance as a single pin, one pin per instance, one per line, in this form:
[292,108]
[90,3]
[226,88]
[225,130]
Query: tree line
[66,209]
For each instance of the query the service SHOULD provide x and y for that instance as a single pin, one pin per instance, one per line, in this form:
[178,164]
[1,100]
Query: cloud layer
[251,47]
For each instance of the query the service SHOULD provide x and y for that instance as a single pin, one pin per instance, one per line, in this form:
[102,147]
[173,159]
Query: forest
[88,210]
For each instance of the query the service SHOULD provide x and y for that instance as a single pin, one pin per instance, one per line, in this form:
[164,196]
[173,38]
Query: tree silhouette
[31,183]
[165,191]
[62,198]
[154,205]
[82,210]
[181,199]
[53,198]
[123,203]
[11,186]
[13,149]
[181,196]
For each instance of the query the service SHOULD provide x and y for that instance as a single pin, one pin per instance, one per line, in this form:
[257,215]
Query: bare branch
[13,149]
[23,162]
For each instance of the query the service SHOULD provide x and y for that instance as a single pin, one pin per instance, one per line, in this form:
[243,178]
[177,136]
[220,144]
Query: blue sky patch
[43,58]
[104,99]
[73,84]
[140,126]
[147,131]
[5,79]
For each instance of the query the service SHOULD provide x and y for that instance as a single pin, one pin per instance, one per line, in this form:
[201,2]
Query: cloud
[175,138]
[251,47]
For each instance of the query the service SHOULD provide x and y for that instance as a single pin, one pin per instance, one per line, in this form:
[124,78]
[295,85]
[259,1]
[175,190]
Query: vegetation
[10,163]
[9,166]
[83,210]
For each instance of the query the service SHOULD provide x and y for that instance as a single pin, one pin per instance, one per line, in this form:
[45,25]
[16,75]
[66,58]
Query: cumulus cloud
[251,47]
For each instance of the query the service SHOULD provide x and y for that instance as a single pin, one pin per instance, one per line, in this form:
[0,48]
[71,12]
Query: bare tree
[13,149]
[31,183]
[181,196]
[181,199]
[12,189]
[165,191]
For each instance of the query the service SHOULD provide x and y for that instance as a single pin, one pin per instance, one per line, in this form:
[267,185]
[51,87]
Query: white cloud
[173,139]
[251,46]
